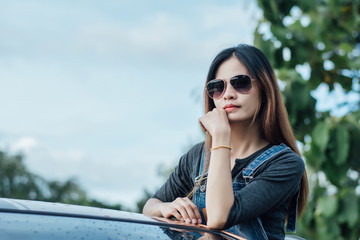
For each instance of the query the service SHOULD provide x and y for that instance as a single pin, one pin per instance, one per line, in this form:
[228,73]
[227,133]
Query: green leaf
[315,157]
[349,208]
[327,206]
[354,151]
[335,174]
[346,47]
[326,229]
[320,134]
[286,74]
[342,144]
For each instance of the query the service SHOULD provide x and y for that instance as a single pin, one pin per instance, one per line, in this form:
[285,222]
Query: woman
[248,176]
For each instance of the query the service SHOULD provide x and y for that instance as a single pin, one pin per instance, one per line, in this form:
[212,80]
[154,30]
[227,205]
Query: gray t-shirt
[267,195]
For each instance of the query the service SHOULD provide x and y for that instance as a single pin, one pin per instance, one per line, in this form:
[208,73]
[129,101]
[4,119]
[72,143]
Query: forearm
[152,207]
[219,194]
[181,208]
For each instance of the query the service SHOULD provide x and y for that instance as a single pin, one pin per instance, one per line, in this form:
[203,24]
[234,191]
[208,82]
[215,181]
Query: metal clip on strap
[247,179]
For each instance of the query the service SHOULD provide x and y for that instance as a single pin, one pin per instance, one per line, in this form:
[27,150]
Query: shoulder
[286,162]
[278,160]
[191,159]
[197,149]
[288,156]
[193,154]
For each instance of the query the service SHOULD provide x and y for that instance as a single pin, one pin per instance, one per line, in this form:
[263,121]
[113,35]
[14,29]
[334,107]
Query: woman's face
[239,106]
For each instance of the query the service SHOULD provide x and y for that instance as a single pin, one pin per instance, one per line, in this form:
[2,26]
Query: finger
[184,214]
[174,213]
[179,206]
[220,111]
[195,213]
[190,212]
[169,211]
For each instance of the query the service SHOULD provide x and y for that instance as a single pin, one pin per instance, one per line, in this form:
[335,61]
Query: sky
[107,92]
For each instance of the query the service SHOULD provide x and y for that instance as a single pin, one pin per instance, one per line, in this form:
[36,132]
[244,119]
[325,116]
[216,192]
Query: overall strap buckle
[247,178]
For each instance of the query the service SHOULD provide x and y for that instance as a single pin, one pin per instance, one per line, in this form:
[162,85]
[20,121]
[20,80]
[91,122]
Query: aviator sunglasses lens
[215,88]
[241,83]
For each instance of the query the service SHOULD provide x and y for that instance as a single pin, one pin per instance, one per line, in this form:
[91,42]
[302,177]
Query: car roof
[123,220]
[61,209]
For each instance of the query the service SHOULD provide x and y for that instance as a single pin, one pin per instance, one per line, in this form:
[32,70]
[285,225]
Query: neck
[245,139]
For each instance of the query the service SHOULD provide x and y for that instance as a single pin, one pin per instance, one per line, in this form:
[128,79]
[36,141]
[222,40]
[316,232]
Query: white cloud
[24,145]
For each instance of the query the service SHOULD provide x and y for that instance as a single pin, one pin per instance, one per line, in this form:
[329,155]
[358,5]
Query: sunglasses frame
[225,85]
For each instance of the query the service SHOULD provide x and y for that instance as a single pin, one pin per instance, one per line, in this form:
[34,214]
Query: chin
[239,119]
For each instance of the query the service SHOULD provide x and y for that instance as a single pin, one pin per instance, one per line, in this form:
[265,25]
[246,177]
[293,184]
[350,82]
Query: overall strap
[248,172]
[202,161]
[292,212]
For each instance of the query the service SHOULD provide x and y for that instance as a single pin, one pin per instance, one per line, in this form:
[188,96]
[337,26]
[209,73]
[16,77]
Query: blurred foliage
[321,38]
[16,181]
[141,202]
[163,171]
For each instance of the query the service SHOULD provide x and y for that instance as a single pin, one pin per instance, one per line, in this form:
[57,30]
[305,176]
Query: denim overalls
[253,229]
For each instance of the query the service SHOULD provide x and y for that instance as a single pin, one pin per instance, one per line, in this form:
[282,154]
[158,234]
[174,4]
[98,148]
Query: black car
[25,219]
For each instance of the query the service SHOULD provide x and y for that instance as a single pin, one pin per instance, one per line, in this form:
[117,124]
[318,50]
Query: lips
[230,107]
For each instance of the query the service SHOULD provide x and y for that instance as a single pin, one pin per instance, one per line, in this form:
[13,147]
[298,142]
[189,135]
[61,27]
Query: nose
[230,92]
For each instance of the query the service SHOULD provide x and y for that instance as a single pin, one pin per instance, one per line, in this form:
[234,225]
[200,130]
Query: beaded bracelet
[220,146]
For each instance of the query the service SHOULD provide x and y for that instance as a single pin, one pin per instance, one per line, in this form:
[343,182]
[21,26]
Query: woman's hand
[216,123]
[182,209]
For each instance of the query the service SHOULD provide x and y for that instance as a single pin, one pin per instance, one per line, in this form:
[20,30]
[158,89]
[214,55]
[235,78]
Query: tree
[320,38]
[141,202]
[16,181]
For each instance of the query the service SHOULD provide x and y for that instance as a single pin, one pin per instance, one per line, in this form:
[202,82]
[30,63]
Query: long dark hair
[271,114]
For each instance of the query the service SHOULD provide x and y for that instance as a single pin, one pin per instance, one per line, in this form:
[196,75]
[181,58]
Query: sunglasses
[241,83]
